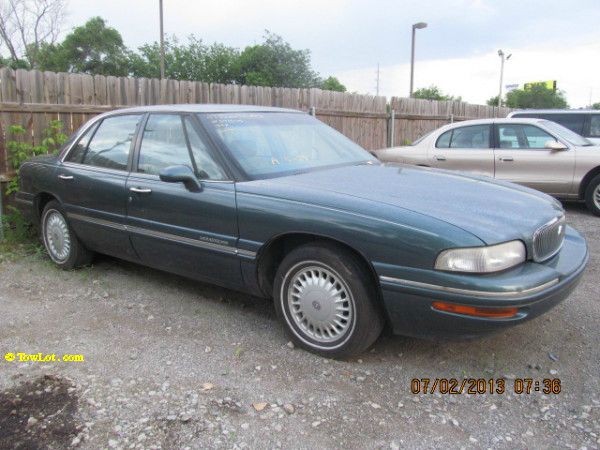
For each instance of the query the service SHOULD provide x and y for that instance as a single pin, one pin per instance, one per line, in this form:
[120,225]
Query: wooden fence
[33,98]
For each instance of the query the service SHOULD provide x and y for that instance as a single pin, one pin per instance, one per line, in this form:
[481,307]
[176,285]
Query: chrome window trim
[448,289]
[165,236]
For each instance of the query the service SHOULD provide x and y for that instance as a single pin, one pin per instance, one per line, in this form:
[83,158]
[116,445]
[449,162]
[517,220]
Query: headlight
[482,259]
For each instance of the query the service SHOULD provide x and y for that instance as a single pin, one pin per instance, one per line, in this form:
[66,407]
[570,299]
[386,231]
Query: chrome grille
[548,239]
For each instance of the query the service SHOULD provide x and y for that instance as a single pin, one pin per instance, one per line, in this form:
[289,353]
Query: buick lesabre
[275,203]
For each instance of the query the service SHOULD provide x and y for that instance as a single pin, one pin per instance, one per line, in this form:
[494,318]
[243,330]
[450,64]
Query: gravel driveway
[172,363]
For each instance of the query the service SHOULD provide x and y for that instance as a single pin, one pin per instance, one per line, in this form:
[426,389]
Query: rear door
[92,181]
[465,148]
[521,158]
[190,233]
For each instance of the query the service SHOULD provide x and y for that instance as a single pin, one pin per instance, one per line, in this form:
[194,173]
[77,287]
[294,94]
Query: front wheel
[327,300]
[62,245]
[592,195]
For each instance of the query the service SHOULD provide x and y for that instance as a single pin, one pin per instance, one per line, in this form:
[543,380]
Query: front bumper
[533,288]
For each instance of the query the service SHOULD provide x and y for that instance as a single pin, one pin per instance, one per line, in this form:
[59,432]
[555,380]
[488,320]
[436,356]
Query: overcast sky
[457,51]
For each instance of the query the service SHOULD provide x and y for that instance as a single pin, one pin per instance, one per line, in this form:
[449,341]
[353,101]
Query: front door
[173,228]
[92,181]
[466,149]
[522,158]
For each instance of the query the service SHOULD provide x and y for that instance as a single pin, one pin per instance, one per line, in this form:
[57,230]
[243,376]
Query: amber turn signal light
[475,311]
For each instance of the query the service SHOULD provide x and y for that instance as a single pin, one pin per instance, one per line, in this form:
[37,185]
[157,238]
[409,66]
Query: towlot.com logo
[41,357]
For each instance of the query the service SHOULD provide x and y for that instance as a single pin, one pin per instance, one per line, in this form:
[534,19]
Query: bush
[15,229]
[20,151]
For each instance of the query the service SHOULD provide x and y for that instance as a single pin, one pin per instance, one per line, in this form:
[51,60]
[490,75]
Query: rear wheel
[592,195]
[327,301]
[62,245]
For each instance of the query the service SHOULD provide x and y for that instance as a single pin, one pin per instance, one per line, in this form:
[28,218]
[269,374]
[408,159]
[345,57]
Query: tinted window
[111,143]
[78,150]
[163,144]
[475,136]
[573,122]
[522,136]
[207,168]
[444,140]
[595,125]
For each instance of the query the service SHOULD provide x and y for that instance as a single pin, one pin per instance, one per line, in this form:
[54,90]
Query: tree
[27,24]
[193,60]
[596,105]
[493,101]
[92,48]
[433,93]
[536,96]
[276,63]
[332,84]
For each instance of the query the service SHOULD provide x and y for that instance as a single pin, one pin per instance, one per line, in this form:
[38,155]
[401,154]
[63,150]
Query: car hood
[493,211]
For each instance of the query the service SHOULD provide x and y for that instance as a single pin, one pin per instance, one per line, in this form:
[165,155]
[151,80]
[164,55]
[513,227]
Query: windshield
[566,134]
[266,145]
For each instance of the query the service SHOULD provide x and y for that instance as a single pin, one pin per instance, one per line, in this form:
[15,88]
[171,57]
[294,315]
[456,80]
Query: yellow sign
[550,84]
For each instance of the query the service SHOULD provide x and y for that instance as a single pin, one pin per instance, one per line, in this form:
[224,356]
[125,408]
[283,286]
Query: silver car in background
[585,122]
[536,153]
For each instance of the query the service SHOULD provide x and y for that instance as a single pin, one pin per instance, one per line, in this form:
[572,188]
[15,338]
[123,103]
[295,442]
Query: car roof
[462,123]
[201,108]
[554,111]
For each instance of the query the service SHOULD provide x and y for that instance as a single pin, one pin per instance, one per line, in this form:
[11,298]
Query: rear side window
[77,153]
[111,143]
[595,125]
[475,136]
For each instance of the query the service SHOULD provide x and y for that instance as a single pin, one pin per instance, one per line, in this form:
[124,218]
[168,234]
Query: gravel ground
[172,363]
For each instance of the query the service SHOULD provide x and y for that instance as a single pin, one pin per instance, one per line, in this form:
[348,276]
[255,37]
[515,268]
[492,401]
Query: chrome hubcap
[58,240]
[320,304]
[597,196]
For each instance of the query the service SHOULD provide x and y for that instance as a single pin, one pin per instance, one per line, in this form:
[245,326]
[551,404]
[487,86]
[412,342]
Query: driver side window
[522,136]
[167,142]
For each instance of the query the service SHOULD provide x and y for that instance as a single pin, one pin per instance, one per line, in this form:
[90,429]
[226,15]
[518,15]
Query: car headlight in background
[482,259]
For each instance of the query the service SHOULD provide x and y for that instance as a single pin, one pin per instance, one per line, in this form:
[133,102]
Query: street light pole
[415,26]
[502,59]
[162,42]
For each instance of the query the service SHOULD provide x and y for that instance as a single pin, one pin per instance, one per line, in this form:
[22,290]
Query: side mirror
[181,174]
[555,145]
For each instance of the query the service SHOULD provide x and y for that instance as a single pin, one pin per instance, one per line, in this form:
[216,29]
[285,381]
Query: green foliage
[332,84]
[537,96]
[193,60]
[433,93]
[493,101]
[596,105]
[92,48]
[276,63]
[20,151]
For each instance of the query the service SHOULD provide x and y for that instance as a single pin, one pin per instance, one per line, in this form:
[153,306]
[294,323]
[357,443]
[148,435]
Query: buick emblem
[316,305]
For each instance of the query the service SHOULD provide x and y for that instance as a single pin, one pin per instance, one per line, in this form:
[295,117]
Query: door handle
[440,157]
[139,190]
[506,158]
[65,177]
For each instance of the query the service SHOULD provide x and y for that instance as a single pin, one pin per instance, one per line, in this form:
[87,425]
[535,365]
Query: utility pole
[162,42]
[377,80]
[502,59]
[416,26]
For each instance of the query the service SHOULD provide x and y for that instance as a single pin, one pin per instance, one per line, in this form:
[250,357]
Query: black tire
[593,190]
[76,255]
[339,264]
